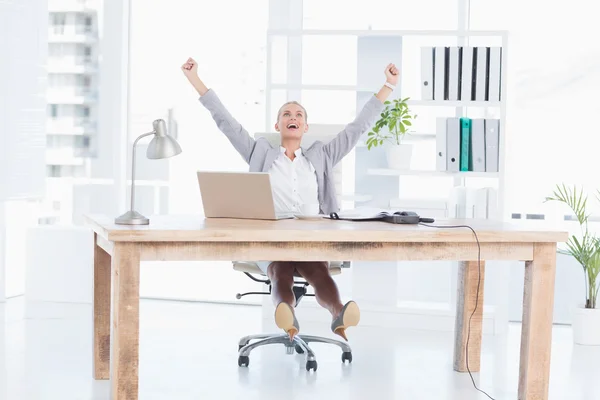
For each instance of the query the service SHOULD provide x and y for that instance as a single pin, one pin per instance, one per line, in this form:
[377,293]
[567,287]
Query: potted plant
[585,248]
[394,123]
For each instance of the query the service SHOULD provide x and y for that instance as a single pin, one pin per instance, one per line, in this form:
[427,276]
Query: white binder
[495,73]
[481,203]
[453,74]
[453,144]
[466,73]
[480,73]
[478,144]
[439,63]
[492,203]
[457,203]
[440,140]
[492,140]
[427,73]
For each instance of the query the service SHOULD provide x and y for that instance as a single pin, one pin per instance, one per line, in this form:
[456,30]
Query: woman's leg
[281,275]
[326,291]
[328,296]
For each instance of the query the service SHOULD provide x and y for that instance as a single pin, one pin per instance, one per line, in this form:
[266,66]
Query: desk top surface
[196,228]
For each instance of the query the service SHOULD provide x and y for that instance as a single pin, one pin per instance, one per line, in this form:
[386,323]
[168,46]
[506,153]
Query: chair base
[299,345]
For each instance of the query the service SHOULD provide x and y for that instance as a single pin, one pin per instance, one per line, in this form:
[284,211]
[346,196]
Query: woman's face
[292,121]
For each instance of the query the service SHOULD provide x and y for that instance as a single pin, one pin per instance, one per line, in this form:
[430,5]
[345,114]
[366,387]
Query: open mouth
[292,126]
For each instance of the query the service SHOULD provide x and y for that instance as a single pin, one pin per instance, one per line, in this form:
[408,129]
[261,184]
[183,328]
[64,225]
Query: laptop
[238,195]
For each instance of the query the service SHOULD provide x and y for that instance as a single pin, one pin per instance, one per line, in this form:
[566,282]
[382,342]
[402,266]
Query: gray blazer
[260,154]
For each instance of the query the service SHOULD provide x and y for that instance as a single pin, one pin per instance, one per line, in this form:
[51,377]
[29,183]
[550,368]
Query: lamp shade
[162,145]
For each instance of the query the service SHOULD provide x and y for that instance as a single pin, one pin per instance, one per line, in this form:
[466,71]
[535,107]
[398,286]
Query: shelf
[453,103]
[464,174]
[302,86]
[354,88]
[369,32]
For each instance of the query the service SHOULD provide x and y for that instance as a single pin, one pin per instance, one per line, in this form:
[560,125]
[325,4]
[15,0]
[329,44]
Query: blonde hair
[296,103]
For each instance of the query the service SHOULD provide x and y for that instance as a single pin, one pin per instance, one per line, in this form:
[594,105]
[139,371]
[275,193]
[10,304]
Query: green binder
[465,144]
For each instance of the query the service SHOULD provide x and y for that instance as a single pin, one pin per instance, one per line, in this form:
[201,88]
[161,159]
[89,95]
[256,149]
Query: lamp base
[132,218]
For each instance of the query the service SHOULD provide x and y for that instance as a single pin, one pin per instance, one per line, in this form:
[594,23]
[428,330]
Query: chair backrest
[316,132]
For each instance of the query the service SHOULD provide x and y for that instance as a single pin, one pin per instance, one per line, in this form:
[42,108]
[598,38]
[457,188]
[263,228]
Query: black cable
[476,295]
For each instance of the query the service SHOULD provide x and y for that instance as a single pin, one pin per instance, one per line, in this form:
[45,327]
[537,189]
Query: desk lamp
[161,146]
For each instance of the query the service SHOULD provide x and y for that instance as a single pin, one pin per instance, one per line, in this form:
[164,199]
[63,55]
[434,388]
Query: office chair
[300,343]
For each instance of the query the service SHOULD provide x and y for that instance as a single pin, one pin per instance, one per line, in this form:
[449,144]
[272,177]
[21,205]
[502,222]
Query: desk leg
[469,277]
[101,357]
[536,332]
[126,322]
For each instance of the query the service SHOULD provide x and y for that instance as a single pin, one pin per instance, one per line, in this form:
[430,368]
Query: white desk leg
[468,280]
[536,332]
[126,321]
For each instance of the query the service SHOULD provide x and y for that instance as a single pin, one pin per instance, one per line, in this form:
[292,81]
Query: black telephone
[405,217]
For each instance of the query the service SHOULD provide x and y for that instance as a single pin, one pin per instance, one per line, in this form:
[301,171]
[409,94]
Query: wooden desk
[120,249]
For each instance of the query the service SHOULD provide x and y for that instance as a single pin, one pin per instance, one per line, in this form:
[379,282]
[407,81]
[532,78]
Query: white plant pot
[586,326]
[399,156]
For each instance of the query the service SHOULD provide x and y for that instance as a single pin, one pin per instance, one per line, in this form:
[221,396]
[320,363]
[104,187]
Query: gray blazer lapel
[313,157]
[272,155]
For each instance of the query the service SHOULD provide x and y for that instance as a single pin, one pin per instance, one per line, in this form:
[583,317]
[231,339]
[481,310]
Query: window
[82,142]
[53,110]
[87,54]
[233,64]
[86,83]
[53,171]
[59,19]
[58,22]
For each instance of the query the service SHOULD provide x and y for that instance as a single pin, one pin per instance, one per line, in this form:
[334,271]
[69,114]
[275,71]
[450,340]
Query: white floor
[189,351]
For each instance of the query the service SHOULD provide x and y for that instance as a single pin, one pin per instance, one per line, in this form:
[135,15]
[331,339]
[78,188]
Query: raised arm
[345,141]
[235,132]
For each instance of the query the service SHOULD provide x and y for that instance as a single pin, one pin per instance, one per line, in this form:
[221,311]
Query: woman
[299,177]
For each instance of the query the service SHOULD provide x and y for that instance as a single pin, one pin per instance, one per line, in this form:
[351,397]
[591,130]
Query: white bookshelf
[431,173]
[459,108]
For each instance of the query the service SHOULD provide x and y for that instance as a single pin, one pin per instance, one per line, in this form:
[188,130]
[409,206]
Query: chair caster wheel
[299,349]
[243,361]
[347,356]
[311,365]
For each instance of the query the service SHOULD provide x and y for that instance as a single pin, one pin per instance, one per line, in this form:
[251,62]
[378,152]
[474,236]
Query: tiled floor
[189,351]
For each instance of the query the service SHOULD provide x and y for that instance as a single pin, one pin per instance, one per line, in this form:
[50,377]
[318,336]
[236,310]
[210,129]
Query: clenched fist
[190,68]
[391,74]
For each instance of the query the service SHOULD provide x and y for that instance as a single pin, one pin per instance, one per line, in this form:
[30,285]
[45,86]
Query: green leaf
[407,123]
[402,129]
[371,133]
[577,201]
[387,102]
